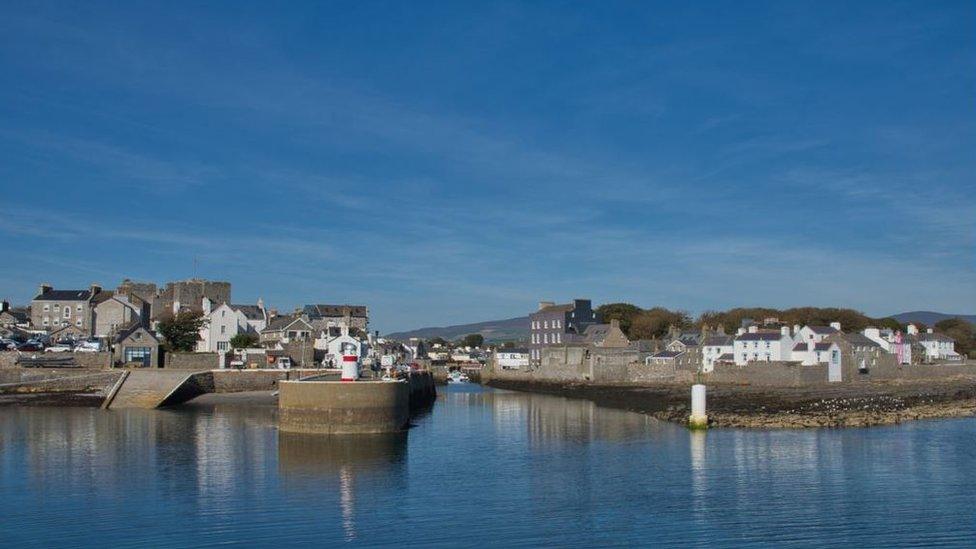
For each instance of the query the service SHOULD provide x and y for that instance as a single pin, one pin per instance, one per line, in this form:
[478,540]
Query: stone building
[555,324]
[116,311]
[322,317]
[53,310]
[147,292]
[16,317]
[135,344]
[187,295]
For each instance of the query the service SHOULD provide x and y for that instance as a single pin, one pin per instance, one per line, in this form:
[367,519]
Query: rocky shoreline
[742,406]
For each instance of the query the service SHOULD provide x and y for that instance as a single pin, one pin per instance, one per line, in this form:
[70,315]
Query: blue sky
[447,163]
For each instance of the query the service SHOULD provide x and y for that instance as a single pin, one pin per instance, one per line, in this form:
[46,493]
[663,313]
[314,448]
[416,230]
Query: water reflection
[529,469]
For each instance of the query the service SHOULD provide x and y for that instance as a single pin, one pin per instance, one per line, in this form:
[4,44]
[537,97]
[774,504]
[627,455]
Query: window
[47,307]
[223,314]
[67,312]
[559,338]
[78,323]
[46,321]
[223,330]
[222,345]
[78,308]
[545,324]
[545,338]
[57,306]
[138,354]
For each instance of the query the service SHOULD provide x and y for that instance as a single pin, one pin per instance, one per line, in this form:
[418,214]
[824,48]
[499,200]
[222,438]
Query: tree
[624,313]
[182,330]
[960,330]
[244,341]
[655,323]
[473,340]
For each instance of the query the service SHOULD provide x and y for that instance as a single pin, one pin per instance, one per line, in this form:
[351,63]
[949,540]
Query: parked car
[59,348]
[30,346]
[8,345]
[88,346]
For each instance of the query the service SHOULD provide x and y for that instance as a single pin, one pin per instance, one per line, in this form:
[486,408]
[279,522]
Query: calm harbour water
[483,467]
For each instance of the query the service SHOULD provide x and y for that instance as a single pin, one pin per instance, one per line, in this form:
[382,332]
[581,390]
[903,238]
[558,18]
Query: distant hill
[929,318]
[493,330]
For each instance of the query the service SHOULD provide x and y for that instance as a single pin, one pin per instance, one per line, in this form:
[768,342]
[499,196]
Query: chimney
[544,304]
[720,330]
[95,288]
[740,331]
[753,329]
[260,304]
[810,345]
[785,330]
[4,306]
[796,329]
[912,329]
[44,288]
[835,325]
[929,330]
[614,323]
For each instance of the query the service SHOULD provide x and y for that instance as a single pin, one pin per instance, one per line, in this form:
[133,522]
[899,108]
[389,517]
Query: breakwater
[360,407]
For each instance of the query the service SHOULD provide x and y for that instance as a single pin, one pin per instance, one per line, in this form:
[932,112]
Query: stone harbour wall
[191,361]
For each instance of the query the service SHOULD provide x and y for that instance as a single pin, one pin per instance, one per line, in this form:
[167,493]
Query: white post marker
[350,368]
[698,419]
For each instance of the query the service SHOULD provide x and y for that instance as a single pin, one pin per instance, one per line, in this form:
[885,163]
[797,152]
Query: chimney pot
[544,304]
[753,329]
[44,288]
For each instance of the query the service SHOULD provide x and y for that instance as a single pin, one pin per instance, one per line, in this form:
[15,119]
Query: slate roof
[816,347]
[824,330]
[250,312]
[132,328]
[322,310]
[935,337]
[667,354]
[64,295]
[760,336]
[727,356]
[281,322]
[717,341]
[19,314]
[861,340]
[557,308]
[595,333]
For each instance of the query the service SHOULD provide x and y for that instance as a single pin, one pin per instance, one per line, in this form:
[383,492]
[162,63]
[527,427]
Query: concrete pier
[359,407]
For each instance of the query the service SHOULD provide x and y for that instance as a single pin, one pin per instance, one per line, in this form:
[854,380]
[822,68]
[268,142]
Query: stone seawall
[9,359]
[191,361]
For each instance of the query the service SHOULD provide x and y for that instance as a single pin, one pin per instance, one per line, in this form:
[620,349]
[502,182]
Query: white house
[714,349]
[892,342]
[816,334]
[226,321]
[809,353]
[756,346]
[512,359]
[938,347]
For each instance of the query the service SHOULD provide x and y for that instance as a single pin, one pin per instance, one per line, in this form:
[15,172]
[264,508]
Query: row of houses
[577,323]
[134,309]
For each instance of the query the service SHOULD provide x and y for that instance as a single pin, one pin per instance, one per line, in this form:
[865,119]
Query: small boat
[458,377]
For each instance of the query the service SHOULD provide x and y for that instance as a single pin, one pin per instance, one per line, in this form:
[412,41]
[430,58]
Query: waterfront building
[762,346]
[893,342]
[716,348]
[605,335]
[809,353]
[55,310]
[555,324]
[512,359]
[816,334]
[135,344]
[938,346]
[225,321]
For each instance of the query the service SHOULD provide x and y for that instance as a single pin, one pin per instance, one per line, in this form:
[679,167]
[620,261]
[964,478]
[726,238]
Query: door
[833,368]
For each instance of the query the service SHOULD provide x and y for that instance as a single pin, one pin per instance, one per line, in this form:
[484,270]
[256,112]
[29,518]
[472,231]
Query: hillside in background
[495,330]
[929,318]
[518,328]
